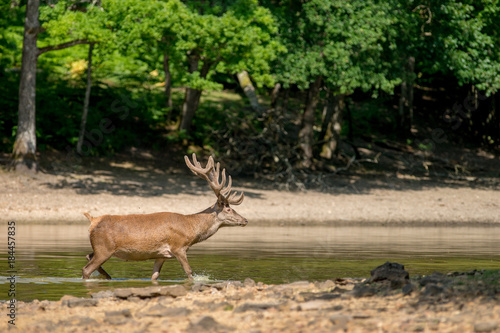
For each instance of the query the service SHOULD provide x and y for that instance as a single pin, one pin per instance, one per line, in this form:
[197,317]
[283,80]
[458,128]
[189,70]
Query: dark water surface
[49,258]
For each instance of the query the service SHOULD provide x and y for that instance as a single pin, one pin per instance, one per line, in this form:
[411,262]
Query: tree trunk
[306,134]
[275,94]
[168,81]
[192,98]
[286,97]
[350,132]
[85,101]
[332,125]
[191,101]
[24,151]
[249,90]
[406,99]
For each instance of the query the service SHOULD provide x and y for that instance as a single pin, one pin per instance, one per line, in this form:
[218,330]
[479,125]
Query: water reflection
[49,258]
[296,241]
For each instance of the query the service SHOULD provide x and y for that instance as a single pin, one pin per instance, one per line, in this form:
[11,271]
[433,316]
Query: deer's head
[225,198]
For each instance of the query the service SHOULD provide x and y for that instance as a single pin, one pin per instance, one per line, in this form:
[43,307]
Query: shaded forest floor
[388,184]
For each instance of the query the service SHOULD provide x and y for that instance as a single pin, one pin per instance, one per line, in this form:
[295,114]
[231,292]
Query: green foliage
[353,45]
[11,37]
[63,22]
[342,41]
[373,117]
[468,38]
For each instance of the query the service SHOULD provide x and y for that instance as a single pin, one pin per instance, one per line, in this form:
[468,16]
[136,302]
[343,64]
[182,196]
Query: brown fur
[158,236]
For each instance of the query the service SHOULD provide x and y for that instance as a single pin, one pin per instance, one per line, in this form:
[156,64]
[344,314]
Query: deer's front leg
[182,258]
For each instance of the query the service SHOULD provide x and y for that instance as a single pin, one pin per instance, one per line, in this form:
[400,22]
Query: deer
[165,235]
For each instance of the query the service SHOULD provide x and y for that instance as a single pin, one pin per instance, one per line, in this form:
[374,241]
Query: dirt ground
[60,195]
[126,187]
[432,304]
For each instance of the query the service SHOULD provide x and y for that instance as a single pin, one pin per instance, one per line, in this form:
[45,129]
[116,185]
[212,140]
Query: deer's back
[139,235]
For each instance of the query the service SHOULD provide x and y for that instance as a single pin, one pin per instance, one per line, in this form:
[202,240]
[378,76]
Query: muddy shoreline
[457,302]
[55,198]
[466,302]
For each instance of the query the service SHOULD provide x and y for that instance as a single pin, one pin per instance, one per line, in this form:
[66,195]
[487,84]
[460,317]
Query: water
[49,258]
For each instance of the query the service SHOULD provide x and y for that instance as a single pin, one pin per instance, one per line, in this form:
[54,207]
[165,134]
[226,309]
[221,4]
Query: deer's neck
[206,225]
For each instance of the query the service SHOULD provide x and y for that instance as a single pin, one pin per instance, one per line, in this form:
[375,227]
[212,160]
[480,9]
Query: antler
[211,175]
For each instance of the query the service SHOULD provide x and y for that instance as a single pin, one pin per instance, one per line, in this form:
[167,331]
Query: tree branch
[63,46]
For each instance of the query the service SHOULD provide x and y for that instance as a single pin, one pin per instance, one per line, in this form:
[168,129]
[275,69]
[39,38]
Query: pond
[49,258]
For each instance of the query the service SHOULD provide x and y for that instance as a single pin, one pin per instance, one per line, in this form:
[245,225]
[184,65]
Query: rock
[235,284]
[156,310]
[363,290]
[300,285]
[361,316]
[308,296]
[393,272]
[408,289]
[337,307]
[121,313]
[340,290]
[134,299]
[328,284]
[44,325]
[176,312]
[487,326]
[122,292]
[77,321]
[339,322]
[148,292]
[44,305]
[248,282]
[200,287]
[207,324]
[221,306]
[219,286]
[435,278]
[227,284]
[102,294]
[76,302]
[255,307]
[314,305]
[432,290]
[116,320]
[245,296]
[159,310]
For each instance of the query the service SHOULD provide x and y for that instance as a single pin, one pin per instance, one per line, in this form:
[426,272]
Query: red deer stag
[161,236]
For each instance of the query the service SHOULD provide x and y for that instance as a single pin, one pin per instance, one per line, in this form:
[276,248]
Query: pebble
[159,310]
[314,305]
[294,307]
[76,302]
[207,324]
[255,307]
[248,282]
[485,326]
[148,292]
[339,321]
[103,294]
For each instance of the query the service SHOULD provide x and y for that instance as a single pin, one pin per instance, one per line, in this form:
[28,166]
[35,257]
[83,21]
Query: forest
[275,88]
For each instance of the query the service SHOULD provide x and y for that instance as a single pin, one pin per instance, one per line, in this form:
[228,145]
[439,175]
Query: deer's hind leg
[157,268]
[94,263]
